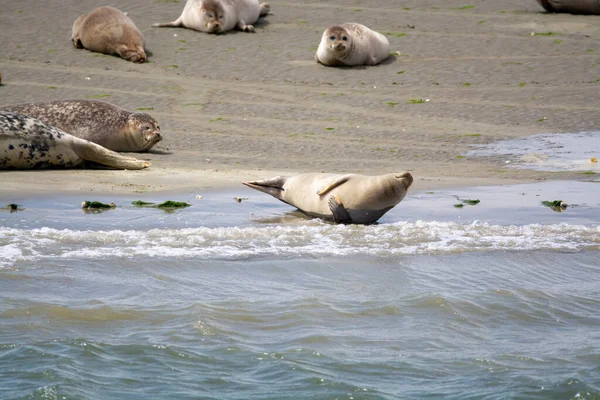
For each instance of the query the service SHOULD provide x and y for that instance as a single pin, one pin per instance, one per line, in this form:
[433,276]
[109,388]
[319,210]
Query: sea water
[252,300]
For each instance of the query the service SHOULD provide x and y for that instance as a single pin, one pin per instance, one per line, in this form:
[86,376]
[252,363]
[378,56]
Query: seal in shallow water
[216,16]
[571,6]
[28,143]
[351,198]
[109,31]
[352,44]
[99,122]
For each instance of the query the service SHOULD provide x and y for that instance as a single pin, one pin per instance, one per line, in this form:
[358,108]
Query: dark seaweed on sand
[96,204]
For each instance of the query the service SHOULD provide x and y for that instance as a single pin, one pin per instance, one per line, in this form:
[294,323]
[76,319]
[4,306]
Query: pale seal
[28,143]
[571,6]
[352,44]
[99,122]
[216,16]
[351,198]
[109,31]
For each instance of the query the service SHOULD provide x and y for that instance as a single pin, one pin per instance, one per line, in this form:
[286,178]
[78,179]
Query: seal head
[338,39]
[143,130]
[212,14]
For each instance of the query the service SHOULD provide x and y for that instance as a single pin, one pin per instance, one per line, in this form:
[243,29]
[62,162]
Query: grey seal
[28,143]
[216,16]
[571,6]
[350,198]
[352,44]
[109,31]
[102,123]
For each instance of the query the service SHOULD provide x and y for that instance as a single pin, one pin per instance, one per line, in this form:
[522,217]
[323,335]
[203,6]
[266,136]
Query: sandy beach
[239,106]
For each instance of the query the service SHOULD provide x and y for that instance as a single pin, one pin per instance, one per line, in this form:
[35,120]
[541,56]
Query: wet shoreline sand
[259,106]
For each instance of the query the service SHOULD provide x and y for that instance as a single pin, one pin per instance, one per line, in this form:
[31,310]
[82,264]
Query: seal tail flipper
[264,9]
[175,24]
[332,185]
[272,186]
[340,215]
[93,152]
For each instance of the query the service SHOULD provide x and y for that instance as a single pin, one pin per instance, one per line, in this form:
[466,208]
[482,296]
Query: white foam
[315,239]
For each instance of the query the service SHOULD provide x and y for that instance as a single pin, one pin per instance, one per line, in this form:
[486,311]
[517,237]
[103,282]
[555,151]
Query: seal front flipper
[101,155]
[332,185]
[340,215]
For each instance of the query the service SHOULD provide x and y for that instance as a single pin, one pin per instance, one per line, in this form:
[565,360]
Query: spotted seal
[102,123]
[28,143]
[216,16]
[109,31]
[351,198]
[352,44]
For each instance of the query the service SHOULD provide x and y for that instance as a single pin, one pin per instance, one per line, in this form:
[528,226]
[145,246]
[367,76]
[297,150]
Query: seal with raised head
[350,199]
[352,44]
[28,143]
[109,31]
[102,123]
[571,6]
[216,16]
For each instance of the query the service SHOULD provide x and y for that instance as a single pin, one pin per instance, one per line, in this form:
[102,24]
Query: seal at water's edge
[351,198]
[571,6]
[109,31]
[28,143]
[216,16]
[352,44]
[102,123]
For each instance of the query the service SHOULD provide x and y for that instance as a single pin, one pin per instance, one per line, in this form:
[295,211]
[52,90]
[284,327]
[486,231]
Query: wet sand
[241,106]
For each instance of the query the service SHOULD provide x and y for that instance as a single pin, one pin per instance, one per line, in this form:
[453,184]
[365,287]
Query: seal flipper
[101,155]
[332,185]
[340,215]
[272,186]
[175,24]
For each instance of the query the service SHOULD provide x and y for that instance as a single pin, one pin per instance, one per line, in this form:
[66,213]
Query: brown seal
[102,123]
[28,143]
[352,198]
[109,31]
[571,6]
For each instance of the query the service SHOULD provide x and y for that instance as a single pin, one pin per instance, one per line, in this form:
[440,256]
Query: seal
[571,6]
[109,31]
[348,199]
[28,143]
[102,123]
[217,16]
[352,44]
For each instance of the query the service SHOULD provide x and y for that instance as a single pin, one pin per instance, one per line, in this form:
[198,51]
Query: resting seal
[109,31]
[352,44]
[216,16]
[351,198]
[571,6]
[99,122]
[28,143]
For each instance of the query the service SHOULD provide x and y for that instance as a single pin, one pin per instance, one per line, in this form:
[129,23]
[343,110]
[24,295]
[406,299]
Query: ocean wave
[315,239]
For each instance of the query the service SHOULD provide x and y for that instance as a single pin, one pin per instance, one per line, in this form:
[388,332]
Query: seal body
[109,31]
[571,6]
[97,121]
[28,143]
[216,16]
[352,198]
[352,44]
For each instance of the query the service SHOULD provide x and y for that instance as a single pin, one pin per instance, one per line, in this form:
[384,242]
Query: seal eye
[210,15]
[344,38]
[331,37]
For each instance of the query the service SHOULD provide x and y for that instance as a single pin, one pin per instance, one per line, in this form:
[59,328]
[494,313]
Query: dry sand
[239,106]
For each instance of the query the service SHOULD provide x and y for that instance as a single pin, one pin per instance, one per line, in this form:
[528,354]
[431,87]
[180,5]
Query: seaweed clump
[556,205]
[97,205]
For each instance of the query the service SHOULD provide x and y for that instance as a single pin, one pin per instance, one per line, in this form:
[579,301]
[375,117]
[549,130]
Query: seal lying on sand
[216,16]
[109,31]
[351,198]
[352,44]
[27,143]
[99,122]
[571,6]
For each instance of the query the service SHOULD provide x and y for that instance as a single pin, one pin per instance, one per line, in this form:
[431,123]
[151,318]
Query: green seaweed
[96,204]
[400,72]
[391,103]
[463,8]
[415,101]
[397,34]
[140,203]
[98,96]
[459,205]
[470,202]
[545,34]
[13,206]
[173,204]
[555,205]
[329,129]
[145,108]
